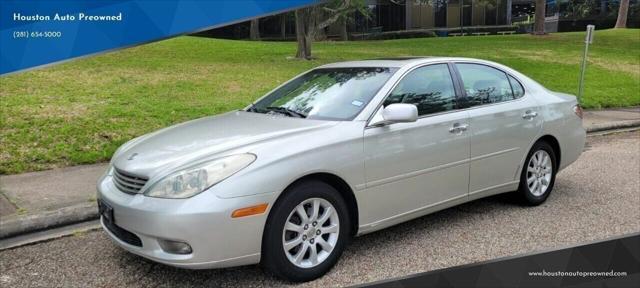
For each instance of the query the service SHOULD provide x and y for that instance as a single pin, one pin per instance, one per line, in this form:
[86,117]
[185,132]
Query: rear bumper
[203,221]
[572,144]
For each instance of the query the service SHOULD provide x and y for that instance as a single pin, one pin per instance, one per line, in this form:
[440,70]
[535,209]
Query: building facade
[390,15]
[451,16]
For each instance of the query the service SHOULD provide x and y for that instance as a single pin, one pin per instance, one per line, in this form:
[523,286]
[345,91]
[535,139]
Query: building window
[383,16]
[466,12]
[491,14]
[453,14]
[502,12]
[440,8]
[456,13]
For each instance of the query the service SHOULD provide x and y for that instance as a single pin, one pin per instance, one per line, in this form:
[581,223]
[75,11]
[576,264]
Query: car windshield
[326,93]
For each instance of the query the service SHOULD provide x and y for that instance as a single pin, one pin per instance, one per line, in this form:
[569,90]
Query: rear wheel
[538,174]
[306,232]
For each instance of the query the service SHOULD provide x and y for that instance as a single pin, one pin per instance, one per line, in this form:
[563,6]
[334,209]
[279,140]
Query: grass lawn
[81,111]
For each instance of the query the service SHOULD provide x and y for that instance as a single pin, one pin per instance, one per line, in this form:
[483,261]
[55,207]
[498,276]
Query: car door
[503,124]
[411,166]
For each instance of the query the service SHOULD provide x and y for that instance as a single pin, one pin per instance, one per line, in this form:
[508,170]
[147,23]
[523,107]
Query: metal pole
[588,40]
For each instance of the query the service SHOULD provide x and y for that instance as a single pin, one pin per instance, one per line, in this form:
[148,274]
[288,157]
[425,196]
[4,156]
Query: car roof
[396,62]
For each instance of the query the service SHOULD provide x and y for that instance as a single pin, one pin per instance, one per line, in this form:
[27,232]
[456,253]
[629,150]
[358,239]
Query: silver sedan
[339,151]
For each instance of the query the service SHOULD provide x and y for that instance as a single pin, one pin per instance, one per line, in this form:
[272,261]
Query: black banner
[609,263]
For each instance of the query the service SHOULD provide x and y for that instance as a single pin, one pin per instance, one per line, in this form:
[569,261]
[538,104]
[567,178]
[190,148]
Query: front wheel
[538,174]
[306,232]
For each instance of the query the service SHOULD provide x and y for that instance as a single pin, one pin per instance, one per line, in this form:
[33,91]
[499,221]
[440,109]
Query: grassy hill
[81,111]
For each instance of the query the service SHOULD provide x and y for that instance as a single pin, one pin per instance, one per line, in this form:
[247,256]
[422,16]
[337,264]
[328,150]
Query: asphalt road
[595,198]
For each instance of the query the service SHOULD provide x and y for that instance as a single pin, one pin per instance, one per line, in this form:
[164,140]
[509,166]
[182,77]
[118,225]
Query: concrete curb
[19,224]
[22,224]
[613,126]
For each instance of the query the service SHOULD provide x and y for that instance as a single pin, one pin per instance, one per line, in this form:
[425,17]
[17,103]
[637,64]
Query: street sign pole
[588,40]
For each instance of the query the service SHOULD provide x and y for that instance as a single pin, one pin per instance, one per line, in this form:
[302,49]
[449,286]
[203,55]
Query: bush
[404,34]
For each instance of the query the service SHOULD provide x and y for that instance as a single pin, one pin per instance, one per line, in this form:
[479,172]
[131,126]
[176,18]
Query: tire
[535,192]
[322,236]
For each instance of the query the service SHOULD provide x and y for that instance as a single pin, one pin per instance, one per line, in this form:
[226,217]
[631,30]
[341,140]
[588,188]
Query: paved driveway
[595,198]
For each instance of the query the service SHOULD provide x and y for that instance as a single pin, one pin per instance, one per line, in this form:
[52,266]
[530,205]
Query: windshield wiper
[287,111]
[252,108]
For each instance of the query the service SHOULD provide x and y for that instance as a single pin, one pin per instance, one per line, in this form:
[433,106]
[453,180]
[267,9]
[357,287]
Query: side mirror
[396,113]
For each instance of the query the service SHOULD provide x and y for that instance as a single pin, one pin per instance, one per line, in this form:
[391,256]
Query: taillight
[578,110]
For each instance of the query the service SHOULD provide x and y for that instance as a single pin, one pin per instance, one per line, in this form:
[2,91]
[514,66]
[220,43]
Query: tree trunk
[302,37]
[310,25]
[283,26]
[307,46]
[539,20]
[254,30]
[622,14]
[344,35]
[320,35]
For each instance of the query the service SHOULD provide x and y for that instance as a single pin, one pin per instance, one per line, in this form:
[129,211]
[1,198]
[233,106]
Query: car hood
[194,141]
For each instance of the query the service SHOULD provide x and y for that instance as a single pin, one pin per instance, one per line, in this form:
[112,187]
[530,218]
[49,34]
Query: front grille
[122,234]
[128,183]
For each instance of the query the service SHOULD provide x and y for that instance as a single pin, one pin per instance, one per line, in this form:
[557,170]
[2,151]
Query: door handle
[458,128]
[530,114]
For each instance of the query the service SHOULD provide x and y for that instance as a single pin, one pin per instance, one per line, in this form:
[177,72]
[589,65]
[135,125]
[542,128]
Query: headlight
[109,171]
[106,174]
[191,181]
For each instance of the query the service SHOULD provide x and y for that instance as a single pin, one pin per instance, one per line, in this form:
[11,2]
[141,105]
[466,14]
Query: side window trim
[458,82]
[509,77]
[458,88]
[513,92]
[464,93]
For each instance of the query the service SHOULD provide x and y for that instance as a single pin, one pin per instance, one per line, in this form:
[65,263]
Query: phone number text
[37,34]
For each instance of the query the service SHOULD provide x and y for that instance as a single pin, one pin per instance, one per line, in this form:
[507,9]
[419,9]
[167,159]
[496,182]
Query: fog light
[175,247]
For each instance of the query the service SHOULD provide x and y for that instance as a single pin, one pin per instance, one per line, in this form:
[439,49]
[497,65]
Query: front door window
[430,88]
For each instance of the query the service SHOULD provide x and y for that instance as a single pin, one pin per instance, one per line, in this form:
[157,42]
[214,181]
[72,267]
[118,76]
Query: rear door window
[484,84]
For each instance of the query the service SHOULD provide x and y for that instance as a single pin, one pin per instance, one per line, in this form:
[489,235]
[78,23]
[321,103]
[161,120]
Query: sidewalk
[40,200]
[598,120]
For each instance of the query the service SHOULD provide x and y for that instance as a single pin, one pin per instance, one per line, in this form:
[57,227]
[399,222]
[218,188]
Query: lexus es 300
[339,151]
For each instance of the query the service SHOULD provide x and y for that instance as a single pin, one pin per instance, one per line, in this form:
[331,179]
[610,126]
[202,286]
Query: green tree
[310,20]
[579,9]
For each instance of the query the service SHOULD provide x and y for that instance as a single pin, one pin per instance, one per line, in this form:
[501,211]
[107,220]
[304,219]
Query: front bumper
[203,221]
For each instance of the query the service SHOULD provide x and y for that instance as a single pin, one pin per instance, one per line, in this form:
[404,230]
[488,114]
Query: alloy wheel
[539,173]
[311,232]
